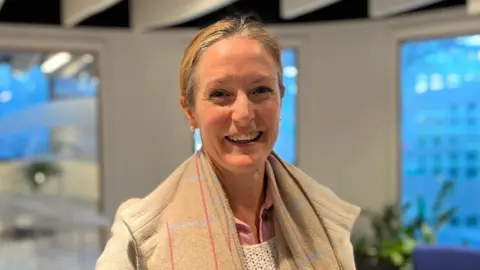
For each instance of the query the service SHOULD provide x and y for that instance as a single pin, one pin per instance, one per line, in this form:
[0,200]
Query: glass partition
[49,169]
[440,131]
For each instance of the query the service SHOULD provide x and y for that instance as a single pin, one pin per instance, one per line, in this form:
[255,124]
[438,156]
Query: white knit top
[262,256]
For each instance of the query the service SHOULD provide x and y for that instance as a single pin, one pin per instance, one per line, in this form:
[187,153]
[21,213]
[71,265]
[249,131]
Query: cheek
[270,116]
[213,120]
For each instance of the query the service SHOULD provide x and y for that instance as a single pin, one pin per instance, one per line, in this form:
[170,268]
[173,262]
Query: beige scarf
[194,227]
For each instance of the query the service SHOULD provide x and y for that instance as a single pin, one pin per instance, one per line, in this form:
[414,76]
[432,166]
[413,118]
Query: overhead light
[87,58]
[75,66]
[5,96]
[56,61]
[290,71]
[473,40]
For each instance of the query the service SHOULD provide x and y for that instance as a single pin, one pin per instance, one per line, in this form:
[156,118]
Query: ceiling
[118,14]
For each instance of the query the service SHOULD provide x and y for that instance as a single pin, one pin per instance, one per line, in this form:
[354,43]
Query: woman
[234,204]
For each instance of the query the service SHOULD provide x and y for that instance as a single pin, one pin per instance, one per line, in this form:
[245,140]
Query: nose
[243,112]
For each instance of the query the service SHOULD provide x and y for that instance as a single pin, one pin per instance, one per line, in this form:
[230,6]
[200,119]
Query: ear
[188,113]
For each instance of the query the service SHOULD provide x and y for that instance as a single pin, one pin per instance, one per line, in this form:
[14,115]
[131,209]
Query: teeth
[242,138]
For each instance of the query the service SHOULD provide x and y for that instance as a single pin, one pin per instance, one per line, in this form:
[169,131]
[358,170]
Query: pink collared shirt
[266,229]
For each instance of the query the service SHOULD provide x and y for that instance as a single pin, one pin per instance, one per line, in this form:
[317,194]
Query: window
[25,87]
[49,156]
[285,146]
[440,128]
[20,91]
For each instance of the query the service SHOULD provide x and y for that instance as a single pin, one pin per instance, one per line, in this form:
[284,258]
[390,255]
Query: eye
[261,90]
[218,94]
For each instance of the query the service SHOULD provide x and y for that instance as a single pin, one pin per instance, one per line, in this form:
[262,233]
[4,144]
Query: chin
[242,163]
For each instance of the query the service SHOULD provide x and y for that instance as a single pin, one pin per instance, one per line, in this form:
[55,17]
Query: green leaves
[37,173]
[446,190]
[394,239]
[428,234]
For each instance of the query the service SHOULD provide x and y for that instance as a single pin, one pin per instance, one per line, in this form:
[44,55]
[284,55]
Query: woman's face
[237,103]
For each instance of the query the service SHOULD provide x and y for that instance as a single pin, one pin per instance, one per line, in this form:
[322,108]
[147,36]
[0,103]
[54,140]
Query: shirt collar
[269,189]
[268,203]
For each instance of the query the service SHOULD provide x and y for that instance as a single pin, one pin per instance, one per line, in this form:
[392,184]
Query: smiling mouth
[247,138]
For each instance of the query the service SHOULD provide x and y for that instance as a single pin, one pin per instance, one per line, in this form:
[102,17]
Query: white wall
[347,101]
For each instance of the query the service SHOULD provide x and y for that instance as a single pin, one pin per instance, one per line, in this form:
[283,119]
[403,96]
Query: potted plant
[393,240]
[38,173]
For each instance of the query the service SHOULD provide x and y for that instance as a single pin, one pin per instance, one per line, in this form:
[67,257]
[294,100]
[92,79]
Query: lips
[245,138]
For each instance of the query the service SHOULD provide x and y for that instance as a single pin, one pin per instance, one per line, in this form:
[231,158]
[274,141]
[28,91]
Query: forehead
[237,57]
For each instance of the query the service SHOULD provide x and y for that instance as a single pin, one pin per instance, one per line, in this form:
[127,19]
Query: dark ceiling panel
[343,10]
[440,5]
[31,12]
[114,16]
[265,10]
[268,11]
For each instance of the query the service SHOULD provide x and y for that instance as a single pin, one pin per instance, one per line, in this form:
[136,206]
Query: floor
[73,251]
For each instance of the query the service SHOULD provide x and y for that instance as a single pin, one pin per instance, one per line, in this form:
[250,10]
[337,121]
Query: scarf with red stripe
[195,227]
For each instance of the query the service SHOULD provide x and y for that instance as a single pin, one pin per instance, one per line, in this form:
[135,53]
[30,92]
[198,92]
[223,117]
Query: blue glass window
[440,128]
[19,91]
[22,91]
[79,86]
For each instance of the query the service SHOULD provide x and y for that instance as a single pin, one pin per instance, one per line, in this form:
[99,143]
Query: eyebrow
[260,78]
[255,79]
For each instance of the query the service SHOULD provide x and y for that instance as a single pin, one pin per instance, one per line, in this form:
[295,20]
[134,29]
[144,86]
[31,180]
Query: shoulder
[139,212]
[337,213]
[127,204]
[136,226]
[120,251]
[143,216]
[339,216]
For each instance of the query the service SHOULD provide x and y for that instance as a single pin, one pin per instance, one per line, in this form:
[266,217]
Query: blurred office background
[382,105]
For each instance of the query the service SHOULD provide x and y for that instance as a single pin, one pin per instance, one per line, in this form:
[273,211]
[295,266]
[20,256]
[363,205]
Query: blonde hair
[226,28]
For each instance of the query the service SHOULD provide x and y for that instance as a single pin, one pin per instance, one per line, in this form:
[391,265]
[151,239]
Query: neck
[245,192]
